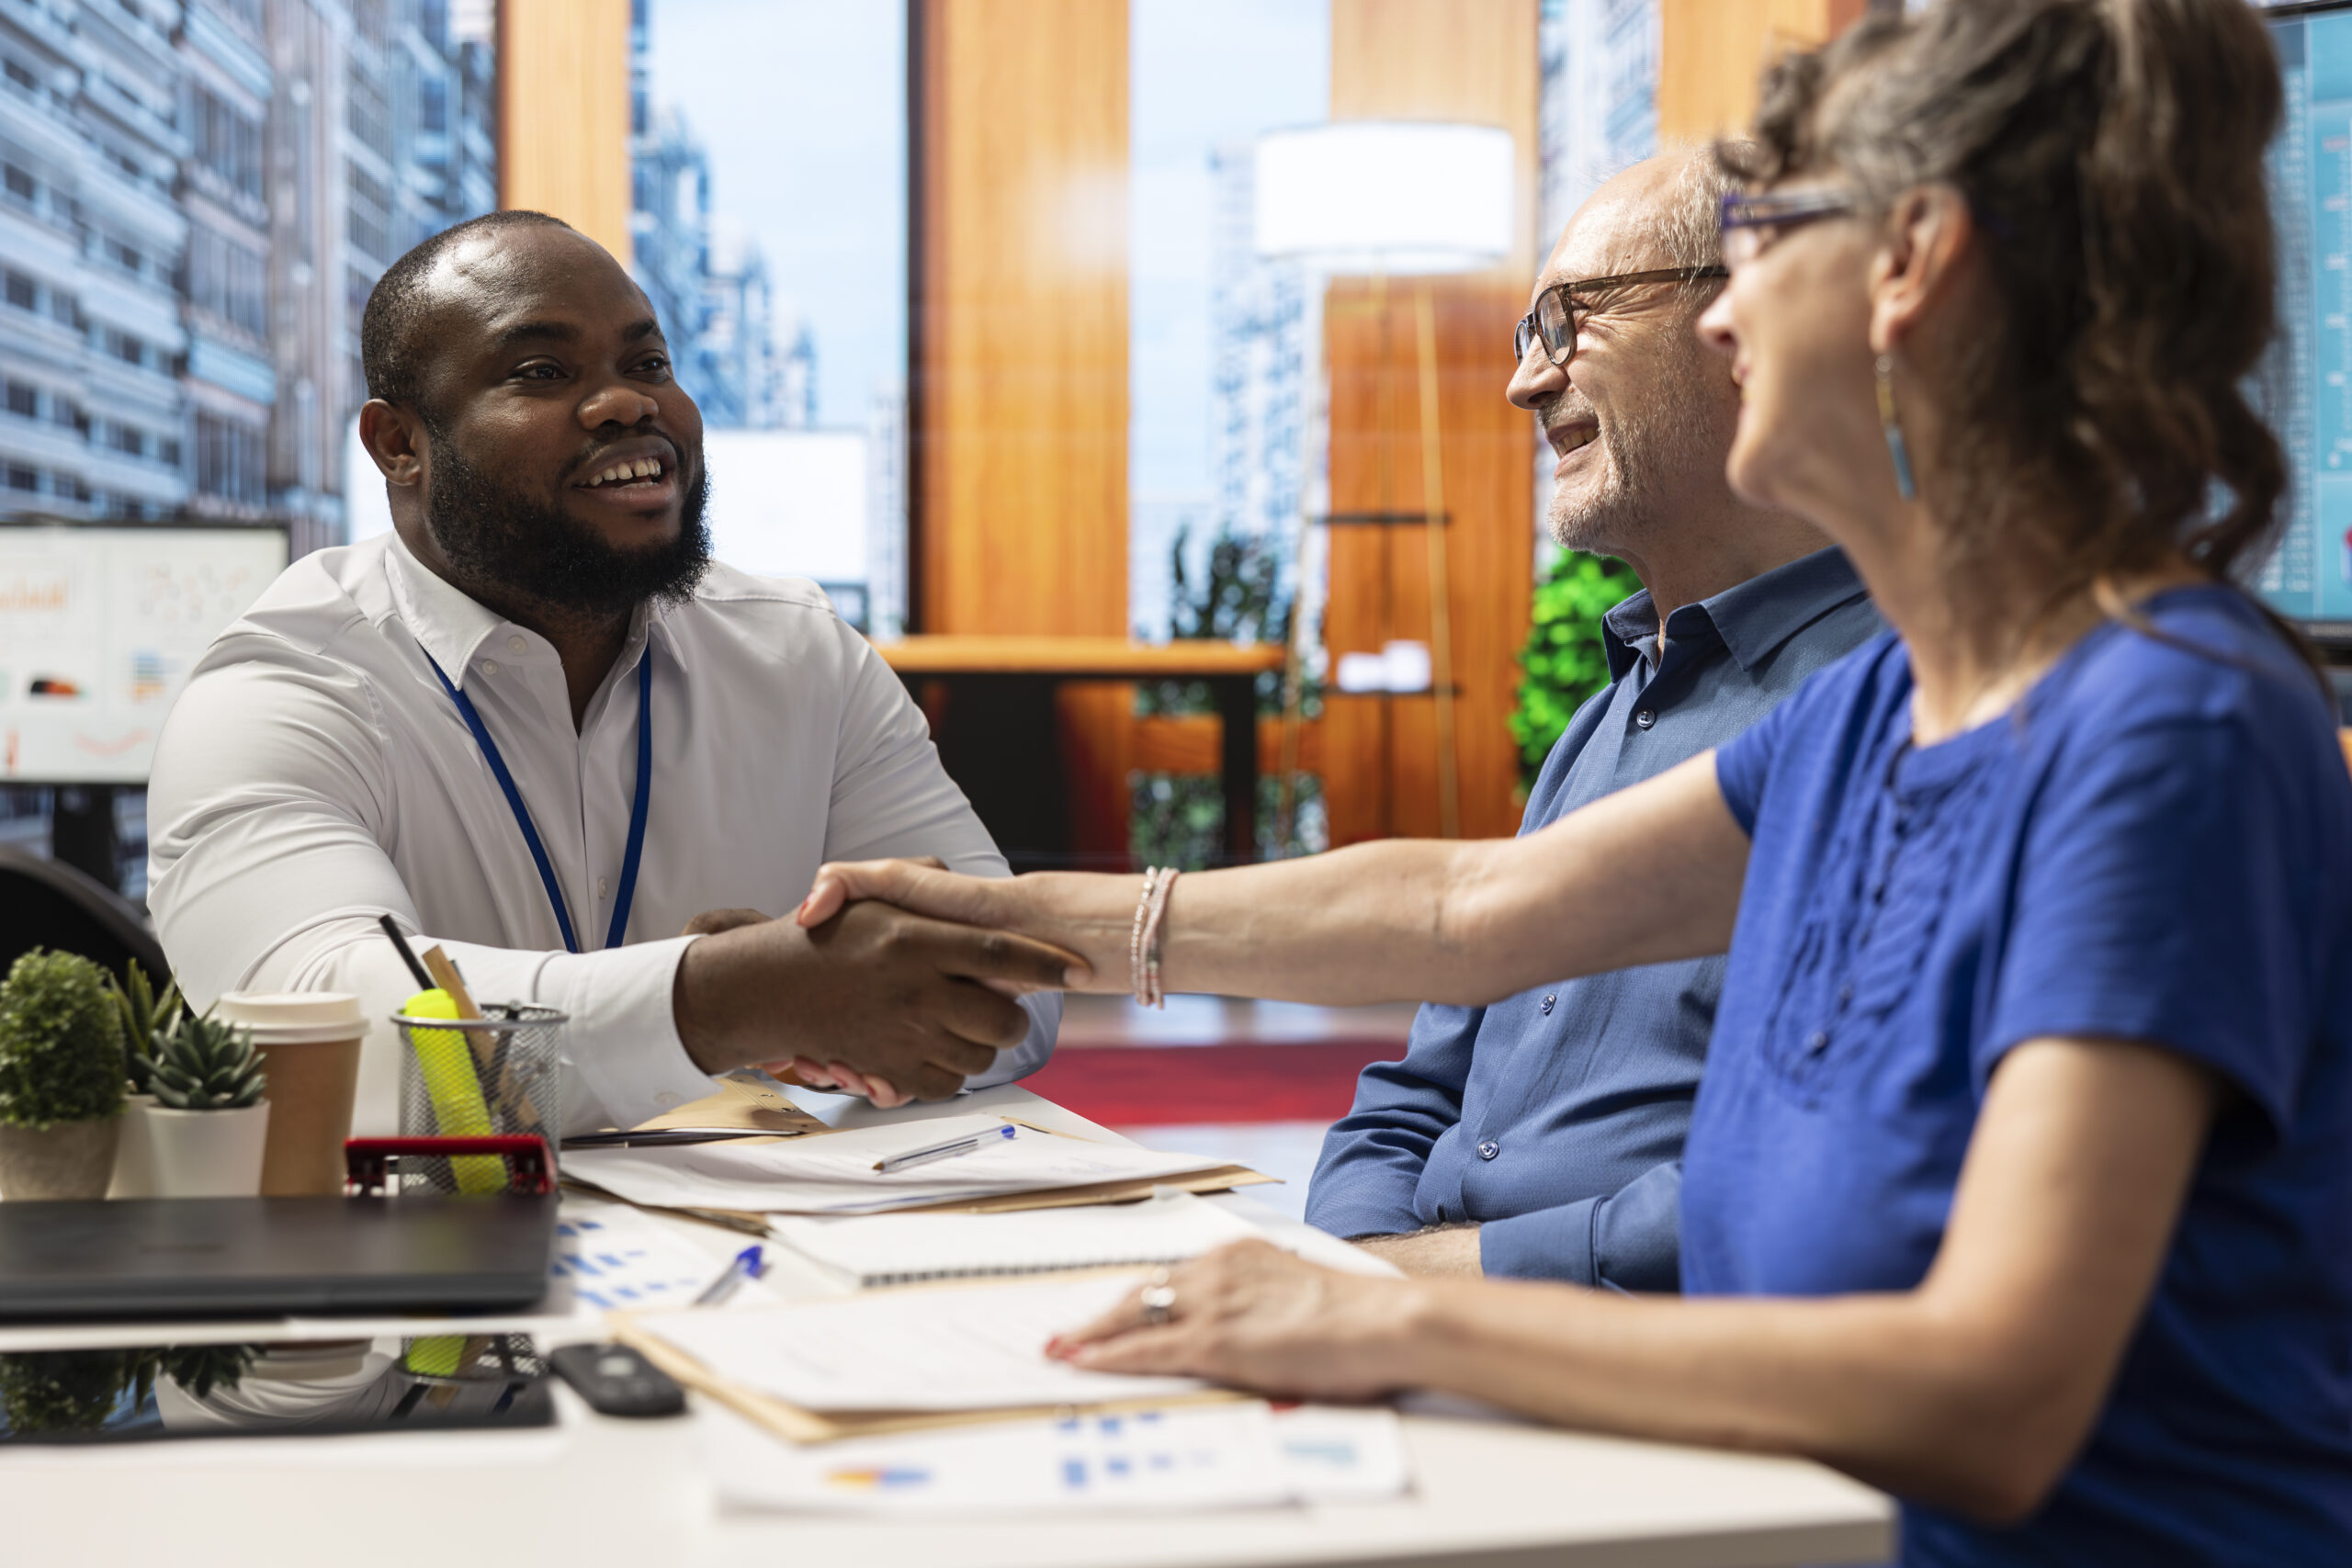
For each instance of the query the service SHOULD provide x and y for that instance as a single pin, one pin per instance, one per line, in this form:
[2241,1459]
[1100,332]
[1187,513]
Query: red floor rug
[1131,1086]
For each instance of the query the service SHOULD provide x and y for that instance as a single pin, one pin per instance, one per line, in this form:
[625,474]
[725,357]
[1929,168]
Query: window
[229,460]
[128,439]
[21,184]
[125,347]
[367,219]
[124,256]
[22,477]
[22,74]
[24,400]
[229,279]
[23,293]
[227,142]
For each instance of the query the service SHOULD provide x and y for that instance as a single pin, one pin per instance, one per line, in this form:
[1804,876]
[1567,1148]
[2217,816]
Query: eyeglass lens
[1552,322]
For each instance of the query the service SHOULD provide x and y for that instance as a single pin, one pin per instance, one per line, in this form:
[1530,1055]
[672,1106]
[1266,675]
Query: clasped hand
[873,999]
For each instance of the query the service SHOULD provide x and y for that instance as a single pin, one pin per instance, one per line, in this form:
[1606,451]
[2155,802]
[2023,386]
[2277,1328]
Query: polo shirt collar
[1753,619]
[451,625]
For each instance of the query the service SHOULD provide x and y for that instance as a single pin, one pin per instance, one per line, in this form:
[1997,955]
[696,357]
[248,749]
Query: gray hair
[1691,225]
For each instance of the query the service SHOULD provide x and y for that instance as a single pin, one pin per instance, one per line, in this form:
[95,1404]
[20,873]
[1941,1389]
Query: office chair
[44,903]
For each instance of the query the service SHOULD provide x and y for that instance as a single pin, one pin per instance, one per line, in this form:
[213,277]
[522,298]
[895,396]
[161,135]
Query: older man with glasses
[1542,1136]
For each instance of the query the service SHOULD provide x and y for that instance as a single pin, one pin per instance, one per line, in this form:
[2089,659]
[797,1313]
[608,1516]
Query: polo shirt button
[1816,1041]
[1489,1150]
[1547,1004]
[489,667]
[1645,717]
[516,645]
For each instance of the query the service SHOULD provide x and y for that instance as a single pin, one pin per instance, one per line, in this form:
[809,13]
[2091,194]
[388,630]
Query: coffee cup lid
[294,1018]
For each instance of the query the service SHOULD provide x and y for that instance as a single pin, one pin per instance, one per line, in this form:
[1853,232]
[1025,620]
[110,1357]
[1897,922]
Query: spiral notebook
[901,1249]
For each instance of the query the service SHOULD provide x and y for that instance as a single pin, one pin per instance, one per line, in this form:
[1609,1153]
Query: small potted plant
[61,1078]
[209,1122]
[146,1019]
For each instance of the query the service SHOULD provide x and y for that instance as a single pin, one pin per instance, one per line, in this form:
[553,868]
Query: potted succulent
[146,1019]
[61,1078]
[209,1122]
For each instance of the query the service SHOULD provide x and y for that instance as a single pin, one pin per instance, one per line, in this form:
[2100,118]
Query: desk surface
[1489,1491]
[1078,658]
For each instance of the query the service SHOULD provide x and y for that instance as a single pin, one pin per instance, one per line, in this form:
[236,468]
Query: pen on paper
[749,1264]
[947,1150]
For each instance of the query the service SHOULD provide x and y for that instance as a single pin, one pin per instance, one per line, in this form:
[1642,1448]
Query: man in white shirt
[444,725]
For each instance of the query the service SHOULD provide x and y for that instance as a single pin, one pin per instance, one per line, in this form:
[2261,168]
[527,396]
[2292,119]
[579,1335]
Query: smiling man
[537,725]
[1543,1136]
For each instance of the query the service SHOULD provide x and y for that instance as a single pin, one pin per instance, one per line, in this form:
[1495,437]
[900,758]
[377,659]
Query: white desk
[1489,1492]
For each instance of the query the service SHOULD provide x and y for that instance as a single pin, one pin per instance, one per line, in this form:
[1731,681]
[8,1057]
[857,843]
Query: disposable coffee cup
[309,1043]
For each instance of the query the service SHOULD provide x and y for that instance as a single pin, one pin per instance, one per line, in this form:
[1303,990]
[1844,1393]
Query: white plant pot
[207,1154]
[134,1151]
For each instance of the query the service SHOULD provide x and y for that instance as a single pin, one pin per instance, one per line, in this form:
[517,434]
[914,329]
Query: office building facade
[199,194]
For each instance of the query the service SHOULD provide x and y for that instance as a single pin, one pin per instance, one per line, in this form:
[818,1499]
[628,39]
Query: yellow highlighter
[447,1065]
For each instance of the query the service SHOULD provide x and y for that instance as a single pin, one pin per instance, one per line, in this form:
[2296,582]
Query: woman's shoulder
[2192,658]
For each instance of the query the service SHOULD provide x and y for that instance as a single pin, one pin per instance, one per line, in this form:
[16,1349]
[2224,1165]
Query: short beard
[1648,439]
[512,544]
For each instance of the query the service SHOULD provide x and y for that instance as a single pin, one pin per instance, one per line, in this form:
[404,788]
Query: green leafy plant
[61,1042]
[201,1368]
[1563,662]
[146,1019]
[206,1064]
[66,1390]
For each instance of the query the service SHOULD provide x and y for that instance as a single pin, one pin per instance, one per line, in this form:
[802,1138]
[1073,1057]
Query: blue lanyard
[637,812]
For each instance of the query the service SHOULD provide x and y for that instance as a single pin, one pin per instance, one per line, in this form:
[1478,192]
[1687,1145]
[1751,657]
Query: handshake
[891,981]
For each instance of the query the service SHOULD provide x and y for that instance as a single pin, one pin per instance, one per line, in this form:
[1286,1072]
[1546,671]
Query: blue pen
[969,1143]
[749,1264]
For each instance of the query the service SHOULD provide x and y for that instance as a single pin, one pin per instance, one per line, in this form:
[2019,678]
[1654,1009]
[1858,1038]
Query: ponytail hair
[2112,154]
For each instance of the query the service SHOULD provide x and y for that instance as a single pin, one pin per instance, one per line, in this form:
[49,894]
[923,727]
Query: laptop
[151,1257]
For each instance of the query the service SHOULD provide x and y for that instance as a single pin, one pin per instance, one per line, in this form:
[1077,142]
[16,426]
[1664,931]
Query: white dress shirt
[315,775]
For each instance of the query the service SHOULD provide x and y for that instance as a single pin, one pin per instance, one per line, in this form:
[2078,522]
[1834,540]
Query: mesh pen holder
[472,1077]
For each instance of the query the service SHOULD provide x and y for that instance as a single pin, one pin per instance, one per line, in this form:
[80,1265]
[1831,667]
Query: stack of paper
[834,1174]
[928,1350]
[897,1249]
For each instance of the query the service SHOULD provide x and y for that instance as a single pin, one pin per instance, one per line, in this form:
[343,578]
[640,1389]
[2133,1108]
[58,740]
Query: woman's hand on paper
[1254,1316]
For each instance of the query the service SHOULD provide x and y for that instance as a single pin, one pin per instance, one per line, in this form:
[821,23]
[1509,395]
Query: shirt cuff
[1361,1197]
[622,1042]
[1547,1244]
[1044,1010]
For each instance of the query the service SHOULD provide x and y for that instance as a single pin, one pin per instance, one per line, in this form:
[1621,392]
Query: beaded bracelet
[1143,942]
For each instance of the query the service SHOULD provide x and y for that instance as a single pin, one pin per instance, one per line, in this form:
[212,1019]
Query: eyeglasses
[1554,320]
[1752,221]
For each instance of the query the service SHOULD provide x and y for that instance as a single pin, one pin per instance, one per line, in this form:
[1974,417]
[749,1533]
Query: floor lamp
[1389,200]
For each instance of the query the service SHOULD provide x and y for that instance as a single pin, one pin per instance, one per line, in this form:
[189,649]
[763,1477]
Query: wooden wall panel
[563,114]
[1710,52]
[1446,60]
[1019,374]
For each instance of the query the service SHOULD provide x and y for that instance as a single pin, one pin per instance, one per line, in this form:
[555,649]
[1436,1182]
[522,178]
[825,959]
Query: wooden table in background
[1021,674]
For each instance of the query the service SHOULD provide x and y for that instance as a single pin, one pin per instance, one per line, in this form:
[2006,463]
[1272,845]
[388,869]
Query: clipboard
[797,1425]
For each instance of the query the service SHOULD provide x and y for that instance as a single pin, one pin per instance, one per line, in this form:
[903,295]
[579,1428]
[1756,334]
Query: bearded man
[1542,1136]
[538,726]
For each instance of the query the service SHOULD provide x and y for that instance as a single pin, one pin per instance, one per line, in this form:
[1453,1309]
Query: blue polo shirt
[1556,1117]
[2155,846]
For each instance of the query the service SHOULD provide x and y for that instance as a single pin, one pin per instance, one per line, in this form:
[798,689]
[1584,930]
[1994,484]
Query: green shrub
[61,1041]
[1563,660]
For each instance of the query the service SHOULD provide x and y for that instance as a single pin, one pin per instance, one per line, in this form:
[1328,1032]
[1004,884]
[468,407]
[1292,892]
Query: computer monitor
[2309,384]
[99,627]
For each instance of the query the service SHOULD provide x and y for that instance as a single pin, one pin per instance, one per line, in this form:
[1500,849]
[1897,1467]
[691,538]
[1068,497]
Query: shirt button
[665,1098]
[1547,1004]
[1645,717]
[489,667]
[516,645]
[1845,993]
[1489,1150]
[603,886]
[1816,1041]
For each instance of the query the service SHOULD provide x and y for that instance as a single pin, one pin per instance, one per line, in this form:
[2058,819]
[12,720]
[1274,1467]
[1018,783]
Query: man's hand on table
[874,1001]
[1442,1251]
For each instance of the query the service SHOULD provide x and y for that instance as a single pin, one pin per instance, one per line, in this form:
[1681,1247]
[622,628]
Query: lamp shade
[1398,197]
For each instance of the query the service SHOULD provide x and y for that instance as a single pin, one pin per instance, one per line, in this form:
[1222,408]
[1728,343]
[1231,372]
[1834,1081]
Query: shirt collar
[451,625]
[1754,617]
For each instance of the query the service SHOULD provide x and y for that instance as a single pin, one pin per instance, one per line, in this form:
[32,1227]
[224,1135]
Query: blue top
[1556,1117]
[2156,846]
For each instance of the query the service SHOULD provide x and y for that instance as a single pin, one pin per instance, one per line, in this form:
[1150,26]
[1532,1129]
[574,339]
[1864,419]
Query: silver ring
[1159,1300]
